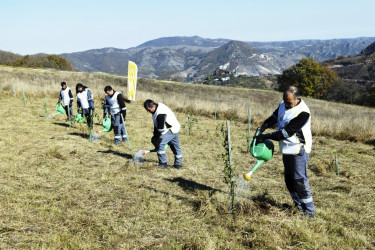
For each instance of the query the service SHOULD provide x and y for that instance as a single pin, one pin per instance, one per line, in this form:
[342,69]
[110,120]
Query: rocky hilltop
[192,58]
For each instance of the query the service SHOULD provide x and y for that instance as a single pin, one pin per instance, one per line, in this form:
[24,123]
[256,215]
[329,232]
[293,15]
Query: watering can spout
[256,166]
[262,151]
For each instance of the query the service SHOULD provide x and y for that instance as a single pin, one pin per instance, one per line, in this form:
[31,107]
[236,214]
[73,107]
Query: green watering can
[60,108]
[262,151]
[106,124]
[79,118]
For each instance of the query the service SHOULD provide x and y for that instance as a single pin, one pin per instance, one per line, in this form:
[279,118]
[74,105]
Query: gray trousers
[173,141]
[297,182]
[118,128]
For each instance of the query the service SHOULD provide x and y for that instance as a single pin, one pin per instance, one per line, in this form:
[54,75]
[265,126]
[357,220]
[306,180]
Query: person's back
[166,132]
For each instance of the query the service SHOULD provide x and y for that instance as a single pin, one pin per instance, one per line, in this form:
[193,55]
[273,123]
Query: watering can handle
[254,140]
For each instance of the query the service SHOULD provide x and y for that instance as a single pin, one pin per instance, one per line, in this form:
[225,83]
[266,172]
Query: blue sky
[37,26]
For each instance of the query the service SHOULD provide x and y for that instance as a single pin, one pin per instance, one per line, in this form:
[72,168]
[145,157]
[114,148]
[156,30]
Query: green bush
[310,77]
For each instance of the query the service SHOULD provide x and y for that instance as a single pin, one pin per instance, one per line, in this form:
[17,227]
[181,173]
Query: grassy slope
[57,190]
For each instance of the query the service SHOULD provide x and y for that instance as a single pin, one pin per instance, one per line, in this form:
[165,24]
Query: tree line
[35,61]
[319,81]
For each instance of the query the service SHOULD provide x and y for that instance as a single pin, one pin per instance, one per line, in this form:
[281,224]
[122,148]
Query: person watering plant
[293,121]
[166,131]
[66,97]
[85,102]
[115,105]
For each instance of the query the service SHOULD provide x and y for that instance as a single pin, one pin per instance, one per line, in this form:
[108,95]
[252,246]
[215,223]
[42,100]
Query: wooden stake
[215,110]
[45,107]
[189,124]
[248,129]
[128,139]
[232,181]
[23,96]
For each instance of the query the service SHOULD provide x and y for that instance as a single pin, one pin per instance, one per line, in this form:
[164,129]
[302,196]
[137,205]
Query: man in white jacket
[166,131]
[114,105]
[293,121]
[66,97]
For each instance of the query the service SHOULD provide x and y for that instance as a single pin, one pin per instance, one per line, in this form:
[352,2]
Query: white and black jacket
[85,99]
[114,104]
[66,96]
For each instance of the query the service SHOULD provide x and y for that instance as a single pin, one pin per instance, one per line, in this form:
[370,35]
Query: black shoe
[177,166]
[286,206]
[308,215]
[117,142]
[161,165]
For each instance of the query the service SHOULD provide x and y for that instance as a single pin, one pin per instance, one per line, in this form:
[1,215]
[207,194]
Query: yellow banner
[132,80]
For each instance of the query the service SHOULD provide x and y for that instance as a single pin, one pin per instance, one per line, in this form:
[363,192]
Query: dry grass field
[60,191]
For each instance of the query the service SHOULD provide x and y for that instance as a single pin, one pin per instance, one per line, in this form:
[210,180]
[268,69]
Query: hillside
[34,61]
[184,40]
[237,57]
[358,67]
[184,57]
[60,191]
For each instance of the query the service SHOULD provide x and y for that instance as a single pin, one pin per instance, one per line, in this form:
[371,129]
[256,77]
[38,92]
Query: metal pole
[126,132]
[215,110]
[90,125]
[23,96]
[70,122]
[248,129]
[189,124]
[232,185]
[229,144]
[45,107]
[337,165]
[14,90]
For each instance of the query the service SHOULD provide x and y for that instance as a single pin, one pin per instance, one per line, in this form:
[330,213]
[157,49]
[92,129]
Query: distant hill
[190,58]
[358,67]
[35,61]
[184,40]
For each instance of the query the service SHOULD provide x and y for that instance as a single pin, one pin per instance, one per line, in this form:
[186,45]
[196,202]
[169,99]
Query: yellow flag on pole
[132,80]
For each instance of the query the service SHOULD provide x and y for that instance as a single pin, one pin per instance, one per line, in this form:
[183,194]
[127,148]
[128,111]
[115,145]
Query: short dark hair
[63,83]
[294,90]
[148,104]
[107,88]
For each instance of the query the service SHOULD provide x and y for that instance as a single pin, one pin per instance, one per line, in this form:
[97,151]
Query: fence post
[232,184]
[248,129]
[215,110]
[336,163]
[189,124]
[70,122]
[14,90]
[45,107]
[90,126]
[128,139]
[23,96]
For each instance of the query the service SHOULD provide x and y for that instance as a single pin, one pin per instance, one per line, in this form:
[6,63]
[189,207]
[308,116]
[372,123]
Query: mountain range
[358,67]
[193,58]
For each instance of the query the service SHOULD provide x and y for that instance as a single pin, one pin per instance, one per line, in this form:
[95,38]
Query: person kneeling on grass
[166,131]
[115,106]
[295,140]
[66,97]
[85,102]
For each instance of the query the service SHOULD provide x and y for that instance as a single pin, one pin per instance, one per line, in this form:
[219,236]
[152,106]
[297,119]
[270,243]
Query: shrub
[312,78]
